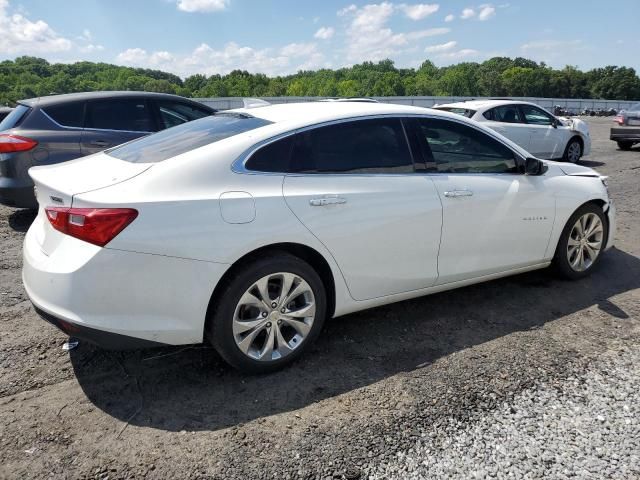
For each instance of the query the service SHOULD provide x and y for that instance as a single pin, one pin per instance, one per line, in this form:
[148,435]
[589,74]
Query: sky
[281,37]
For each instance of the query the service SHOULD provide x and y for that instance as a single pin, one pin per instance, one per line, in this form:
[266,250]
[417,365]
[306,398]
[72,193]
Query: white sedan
[248,228]
[530,126]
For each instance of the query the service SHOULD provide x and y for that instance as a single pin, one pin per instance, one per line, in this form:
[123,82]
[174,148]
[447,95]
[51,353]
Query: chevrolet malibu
[248,228]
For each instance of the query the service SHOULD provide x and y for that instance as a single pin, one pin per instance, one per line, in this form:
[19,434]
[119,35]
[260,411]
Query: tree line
[27,77]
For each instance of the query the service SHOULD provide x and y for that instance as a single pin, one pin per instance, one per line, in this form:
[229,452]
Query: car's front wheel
[573,151]
[268,313]
[625,145]
[582,242]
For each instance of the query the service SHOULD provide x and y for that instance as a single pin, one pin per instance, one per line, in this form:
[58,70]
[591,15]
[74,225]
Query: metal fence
[576,105]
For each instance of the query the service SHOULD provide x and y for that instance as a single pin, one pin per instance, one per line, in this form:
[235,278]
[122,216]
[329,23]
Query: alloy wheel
[585,242]
[573,152]
[274,316]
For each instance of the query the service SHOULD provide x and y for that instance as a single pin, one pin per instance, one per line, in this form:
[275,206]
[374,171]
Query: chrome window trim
[239,164]
[87,128]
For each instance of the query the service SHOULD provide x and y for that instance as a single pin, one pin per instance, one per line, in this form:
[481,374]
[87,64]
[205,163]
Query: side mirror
[555,123]
[533,166]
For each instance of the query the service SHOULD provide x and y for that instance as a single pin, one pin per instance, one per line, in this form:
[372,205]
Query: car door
[113,121]
[508,121]
[354,186]
[495,218]
[548,139]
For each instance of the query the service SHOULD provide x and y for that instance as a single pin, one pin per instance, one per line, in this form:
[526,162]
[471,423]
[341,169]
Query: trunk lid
[56,185]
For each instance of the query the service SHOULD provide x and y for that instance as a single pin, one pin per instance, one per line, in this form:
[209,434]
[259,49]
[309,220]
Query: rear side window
[184,138]
[14,118]
[273,157]
[127,114]
[177,113]
[361,146]
[458,148]
[505,114]
[67,114]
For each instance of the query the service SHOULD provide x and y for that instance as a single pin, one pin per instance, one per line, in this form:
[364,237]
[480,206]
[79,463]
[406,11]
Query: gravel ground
[587,426]
[377,384]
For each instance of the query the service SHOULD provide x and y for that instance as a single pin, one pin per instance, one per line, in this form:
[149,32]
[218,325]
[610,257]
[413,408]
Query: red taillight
[15,143]
[94,225]
[619,120]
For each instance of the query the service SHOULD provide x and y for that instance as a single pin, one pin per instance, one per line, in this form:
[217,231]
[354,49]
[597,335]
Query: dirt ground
[369,387]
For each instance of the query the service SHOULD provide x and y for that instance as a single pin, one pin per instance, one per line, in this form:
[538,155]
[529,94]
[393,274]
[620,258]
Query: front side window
[128,114]
[504,114]
[536,116]
[177,113]
[360,146]
[458,148]
[184,138]
[67,114]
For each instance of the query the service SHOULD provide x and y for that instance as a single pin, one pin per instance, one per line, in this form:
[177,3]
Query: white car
[248,228]
[530,126]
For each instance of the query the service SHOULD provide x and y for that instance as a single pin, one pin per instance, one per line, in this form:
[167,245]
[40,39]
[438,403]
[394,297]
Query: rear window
[465,112]
[14,118]
[186,137]
[67,114]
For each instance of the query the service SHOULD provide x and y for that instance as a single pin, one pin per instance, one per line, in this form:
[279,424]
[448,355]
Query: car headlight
[605,182]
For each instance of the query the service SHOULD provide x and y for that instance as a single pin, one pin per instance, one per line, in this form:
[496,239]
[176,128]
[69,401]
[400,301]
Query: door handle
[327,200]
[99,143]
[458,193]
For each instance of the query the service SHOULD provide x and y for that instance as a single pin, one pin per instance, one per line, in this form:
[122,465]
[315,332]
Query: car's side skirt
[376,302]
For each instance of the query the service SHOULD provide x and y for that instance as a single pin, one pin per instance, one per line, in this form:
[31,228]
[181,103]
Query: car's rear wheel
[268,314]
[582,242]
[573,151]
[625,145]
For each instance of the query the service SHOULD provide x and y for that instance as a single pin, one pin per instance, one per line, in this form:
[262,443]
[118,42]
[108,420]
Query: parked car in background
[249,227]
[530,126]
[48,130]
[627,133]
[4,111]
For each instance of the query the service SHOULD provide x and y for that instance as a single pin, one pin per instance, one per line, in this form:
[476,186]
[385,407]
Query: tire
[568,264]
[625,145]
[242,326]
[573,151]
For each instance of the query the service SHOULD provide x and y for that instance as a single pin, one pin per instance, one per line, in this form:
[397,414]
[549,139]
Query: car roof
[300,114]
[71,97]
[483,104]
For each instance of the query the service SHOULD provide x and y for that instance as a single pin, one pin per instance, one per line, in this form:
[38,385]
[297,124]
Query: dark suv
[47,130]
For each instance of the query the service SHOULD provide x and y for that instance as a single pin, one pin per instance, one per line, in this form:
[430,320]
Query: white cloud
[370,39]
[202,5]
[91,48]
[420,10]
[449,18]
[19,35]
[443,47]
[486,12]
[205,59]
[459,54]
[468,13]
[324,33]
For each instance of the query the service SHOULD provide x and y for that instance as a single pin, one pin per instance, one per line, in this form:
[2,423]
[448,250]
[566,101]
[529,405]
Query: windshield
[186,137]
[465,112]
[14,118]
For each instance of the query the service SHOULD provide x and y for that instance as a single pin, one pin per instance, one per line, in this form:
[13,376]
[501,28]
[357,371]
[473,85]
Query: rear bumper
[111,341]
[621,134]
[118,299]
